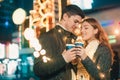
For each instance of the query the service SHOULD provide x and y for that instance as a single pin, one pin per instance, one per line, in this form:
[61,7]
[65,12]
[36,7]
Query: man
[54,42]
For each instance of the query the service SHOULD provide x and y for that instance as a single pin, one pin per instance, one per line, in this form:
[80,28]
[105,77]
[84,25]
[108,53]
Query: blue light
[10,1]
[107,23]
[6,24]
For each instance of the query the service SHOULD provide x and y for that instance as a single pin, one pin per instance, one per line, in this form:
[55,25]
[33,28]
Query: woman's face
[88,32]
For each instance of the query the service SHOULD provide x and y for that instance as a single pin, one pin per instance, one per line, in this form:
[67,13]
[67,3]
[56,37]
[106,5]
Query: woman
[96,56]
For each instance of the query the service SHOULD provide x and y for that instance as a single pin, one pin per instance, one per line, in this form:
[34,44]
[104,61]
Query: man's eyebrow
[80,21]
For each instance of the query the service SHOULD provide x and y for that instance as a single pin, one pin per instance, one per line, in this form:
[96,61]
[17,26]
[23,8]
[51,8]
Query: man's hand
[69,55]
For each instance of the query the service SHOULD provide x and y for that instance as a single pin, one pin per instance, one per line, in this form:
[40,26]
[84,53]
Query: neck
[91,40]
[62,25]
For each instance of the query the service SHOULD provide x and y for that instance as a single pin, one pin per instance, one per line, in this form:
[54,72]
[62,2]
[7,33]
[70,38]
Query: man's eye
[76,21]
[86,28]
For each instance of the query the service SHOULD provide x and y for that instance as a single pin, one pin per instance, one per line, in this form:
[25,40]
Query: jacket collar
[64,32]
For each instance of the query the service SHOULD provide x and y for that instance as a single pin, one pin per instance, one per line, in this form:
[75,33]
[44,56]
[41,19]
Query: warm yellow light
[116,31]
[98,67]
[29,33]
[42,52]
[102,75]
[1,0]
[34,43]
[36,54]
[19,16]
[45,59]
[37,47]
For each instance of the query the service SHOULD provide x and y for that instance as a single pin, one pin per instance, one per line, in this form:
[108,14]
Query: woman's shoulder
[103,48]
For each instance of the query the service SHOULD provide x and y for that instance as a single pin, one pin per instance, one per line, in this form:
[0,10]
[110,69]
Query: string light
[45,59]
[38,47]
[39,51]
[29,33]
[102,75]
[42,52]
[46,10]
[36,54]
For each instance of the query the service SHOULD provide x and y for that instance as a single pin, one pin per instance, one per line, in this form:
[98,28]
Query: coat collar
[64,32]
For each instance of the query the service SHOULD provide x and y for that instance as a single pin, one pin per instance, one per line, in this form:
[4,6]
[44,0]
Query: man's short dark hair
[73,10]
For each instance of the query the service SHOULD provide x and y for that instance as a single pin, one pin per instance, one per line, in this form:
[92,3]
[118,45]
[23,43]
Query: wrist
[83,57]
[65,59]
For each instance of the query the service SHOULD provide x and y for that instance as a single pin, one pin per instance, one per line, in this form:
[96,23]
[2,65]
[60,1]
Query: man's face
[72,22]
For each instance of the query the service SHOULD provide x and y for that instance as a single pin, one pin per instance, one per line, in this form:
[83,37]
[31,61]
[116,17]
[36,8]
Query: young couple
[95,57]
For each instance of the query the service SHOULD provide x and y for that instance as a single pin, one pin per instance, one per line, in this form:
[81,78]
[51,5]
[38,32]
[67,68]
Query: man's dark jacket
[54,42]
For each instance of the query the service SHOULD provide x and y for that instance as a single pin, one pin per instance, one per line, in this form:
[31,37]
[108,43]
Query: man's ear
[65,16]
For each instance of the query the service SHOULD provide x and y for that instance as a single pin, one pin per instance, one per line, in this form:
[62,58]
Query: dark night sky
[7,7]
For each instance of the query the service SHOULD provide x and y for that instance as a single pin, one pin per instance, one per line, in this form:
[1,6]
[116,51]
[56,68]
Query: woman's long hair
[101,35]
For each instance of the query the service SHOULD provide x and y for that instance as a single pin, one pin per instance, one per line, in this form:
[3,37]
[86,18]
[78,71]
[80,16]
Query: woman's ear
[96,31]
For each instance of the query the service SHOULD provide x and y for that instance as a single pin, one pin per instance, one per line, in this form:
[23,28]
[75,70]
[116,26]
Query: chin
[84,39]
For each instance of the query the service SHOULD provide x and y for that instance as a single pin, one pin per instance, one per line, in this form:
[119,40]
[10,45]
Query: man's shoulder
[47,33]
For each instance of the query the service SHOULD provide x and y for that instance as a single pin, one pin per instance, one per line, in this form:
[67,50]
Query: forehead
[85,24]
[76,17]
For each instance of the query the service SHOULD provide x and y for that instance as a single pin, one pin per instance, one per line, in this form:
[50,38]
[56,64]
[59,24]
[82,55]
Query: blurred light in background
[117,31]
[36,54]
[43,52]
[2,51]
[106,23]
[112,39]
[29,33]
[11,67]
[6,24]
[83,4]
[1,0]
[13,51]
[19,16]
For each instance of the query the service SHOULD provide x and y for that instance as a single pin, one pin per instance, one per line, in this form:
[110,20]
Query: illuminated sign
[2,51]
[112,39]
[83,4]
[13,51]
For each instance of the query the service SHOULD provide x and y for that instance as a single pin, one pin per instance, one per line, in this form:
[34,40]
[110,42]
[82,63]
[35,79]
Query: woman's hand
[81,53]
